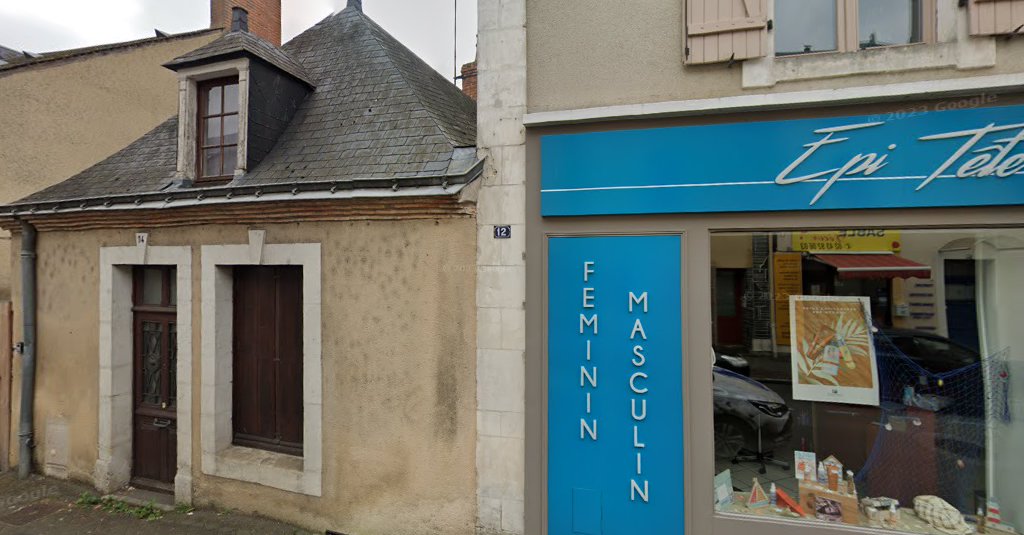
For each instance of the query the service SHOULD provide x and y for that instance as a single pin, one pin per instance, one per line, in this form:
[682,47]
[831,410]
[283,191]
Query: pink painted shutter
[723,30]
[993,17]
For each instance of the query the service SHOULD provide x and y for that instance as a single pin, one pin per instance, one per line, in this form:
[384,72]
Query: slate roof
[238,44]
[8,54]
[22,61]
[379,117]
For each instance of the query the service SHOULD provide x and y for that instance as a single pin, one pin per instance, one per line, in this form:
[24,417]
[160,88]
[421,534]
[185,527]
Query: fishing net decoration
[932,439]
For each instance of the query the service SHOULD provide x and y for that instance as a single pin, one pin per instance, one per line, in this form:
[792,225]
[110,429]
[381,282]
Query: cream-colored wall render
[399,362]
[60,118]
[609,52]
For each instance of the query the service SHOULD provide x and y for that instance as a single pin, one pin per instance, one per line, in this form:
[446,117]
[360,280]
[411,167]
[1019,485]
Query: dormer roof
[241,44]
[379,122]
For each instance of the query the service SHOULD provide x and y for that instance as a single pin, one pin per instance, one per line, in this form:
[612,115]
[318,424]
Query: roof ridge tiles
[73,53]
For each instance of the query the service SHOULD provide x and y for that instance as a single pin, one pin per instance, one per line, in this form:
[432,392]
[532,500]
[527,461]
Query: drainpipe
[27,347]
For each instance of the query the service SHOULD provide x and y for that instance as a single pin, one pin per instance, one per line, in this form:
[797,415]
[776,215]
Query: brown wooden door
[154,446]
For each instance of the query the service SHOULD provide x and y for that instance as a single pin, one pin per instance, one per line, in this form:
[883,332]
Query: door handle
[161,423]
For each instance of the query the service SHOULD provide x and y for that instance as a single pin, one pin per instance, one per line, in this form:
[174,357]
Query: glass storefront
[851,294]
[870,377]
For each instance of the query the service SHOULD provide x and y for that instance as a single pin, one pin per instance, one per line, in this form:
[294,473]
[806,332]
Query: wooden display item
[881,512]
[809,492]
[788,501]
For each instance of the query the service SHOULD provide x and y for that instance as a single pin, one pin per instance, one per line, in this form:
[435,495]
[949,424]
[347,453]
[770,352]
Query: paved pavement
[40,505]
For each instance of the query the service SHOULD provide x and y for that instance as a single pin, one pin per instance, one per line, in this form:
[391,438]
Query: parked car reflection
[931,351]
[742,405]
[733,363]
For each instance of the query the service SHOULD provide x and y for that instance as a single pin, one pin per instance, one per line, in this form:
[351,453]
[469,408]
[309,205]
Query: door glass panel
[889,22]
[172,290]
[172,363]
[804,26]
[152,286]
[152,349]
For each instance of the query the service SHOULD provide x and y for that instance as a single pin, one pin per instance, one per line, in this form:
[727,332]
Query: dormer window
[217,139]
[220,86]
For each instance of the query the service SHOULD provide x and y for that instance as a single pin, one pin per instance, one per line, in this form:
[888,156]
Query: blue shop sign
[970,157]
[615,398]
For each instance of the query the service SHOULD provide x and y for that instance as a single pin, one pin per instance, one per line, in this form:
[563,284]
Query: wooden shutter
[723,30]
[267,360]
[993,17]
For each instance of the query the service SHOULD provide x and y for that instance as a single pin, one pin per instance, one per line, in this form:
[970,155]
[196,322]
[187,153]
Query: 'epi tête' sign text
[947,158]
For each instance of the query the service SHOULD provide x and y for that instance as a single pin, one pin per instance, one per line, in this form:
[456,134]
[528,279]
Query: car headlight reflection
[775,410]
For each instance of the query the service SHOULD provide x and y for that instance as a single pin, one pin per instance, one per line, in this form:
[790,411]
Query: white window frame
[221,458]
[951,46]
[188,111]
[848,28]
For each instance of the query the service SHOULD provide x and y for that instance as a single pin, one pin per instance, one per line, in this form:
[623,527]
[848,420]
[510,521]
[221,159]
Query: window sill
[212,181]
[268,468]
[963,54]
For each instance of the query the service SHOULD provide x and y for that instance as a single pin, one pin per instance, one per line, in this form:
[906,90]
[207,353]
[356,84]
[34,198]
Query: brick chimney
[264,17]
[469,80]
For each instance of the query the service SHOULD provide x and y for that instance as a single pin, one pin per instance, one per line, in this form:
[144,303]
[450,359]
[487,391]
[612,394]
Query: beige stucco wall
[399,372]
[61,117]
[610,52]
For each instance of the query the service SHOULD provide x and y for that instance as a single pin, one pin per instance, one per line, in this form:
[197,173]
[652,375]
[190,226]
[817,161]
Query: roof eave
[435,185]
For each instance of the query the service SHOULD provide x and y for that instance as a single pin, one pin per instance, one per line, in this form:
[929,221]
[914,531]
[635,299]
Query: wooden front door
[154,446]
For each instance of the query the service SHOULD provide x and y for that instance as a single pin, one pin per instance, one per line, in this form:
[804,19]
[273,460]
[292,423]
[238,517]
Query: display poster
[848,241]
[615,396]
[788,280]
[833,357]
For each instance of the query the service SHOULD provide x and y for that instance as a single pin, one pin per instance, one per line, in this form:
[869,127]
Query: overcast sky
[425,26]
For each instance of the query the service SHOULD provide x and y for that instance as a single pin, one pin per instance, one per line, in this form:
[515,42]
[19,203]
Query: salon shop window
[871,377]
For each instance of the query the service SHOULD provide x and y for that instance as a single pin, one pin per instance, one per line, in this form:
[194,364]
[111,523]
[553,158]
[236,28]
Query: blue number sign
[970,157]
[615,418]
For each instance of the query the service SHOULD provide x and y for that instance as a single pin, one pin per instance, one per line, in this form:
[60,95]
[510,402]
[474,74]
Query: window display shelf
[909,521]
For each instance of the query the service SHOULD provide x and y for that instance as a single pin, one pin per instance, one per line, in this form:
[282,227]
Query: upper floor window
[808,26]
[217,153]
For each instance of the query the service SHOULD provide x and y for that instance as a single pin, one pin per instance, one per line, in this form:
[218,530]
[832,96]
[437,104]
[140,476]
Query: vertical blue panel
[586,512]
[593,485]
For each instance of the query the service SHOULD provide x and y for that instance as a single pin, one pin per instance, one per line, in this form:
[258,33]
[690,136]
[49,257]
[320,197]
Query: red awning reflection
[874,266]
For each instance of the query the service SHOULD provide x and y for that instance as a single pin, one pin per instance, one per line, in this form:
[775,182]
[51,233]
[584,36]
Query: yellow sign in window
[848,241]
